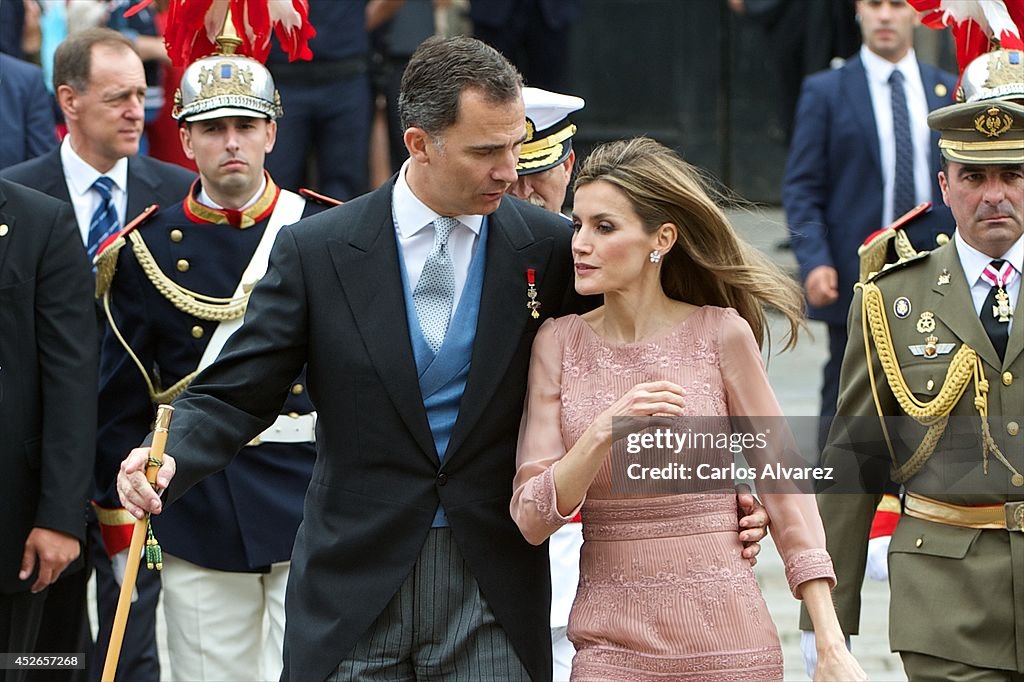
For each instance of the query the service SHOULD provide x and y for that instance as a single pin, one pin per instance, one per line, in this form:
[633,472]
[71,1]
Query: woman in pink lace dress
[664,593]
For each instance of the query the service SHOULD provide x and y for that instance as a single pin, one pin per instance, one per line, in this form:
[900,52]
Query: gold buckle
[1015,516]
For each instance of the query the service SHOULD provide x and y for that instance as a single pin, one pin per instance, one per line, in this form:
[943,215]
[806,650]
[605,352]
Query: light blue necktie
[904,194]
[104,221]
[435,290]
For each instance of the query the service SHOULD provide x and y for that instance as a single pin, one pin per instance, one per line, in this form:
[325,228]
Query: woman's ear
[665,237]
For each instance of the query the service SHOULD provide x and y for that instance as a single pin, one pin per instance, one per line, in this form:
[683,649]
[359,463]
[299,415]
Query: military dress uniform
[173,283]
[925,394]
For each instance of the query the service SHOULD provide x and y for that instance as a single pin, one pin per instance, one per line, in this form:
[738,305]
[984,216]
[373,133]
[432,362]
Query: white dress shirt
[414,225]
[79,176]
[974,262]
[878,71]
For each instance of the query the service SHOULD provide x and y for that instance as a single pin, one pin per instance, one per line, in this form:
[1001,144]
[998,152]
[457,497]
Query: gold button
[176,235]
[941,239]
[183,265]
[1013,428]
[918,542]
[930,385]
[4,230]
[297,389]
[197,332]
[1007,378]
[293,415]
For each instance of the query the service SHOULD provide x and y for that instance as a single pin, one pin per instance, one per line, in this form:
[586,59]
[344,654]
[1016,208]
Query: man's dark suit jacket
[333,296]
[150,181]
[833,186]
[48,364]
[26,112]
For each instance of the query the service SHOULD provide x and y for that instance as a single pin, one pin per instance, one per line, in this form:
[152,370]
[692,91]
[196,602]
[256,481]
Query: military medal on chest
[1000,274]
[531,292]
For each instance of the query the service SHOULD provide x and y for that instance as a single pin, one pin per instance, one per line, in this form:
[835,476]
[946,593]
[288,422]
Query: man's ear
[417,142]
[271,136]
[569,162]
[67,98]
[944,186]
[185,135]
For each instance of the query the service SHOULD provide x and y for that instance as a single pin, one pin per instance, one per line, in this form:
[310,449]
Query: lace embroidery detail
[710,587]
[670,516]
[809,565]
[601,663]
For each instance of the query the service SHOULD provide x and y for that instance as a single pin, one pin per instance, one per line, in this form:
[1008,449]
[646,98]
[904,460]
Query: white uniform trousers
[222,625]
[564,550]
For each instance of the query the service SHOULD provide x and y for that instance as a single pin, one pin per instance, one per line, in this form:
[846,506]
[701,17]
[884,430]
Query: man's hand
[753,523]
[822,286]
[137,495]
[53,550]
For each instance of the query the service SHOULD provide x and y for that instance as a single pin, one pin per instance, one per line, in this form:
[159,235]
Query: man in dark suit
[26,112]
[407,559]
[100,85]
[47,406]
[841,177]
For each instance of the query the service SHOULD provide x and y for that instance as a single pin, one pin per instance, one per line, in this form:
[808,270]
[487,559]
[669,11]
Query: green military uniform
[918,353]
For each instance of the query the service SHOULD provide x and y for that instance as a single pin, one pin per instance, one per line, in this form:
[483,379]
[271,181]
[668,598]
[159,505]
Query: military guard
[175,284]
[932,390]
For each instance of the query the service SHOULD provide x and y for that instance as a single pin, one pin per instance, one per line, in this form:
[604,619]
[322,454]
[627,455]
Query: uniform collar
[256,210]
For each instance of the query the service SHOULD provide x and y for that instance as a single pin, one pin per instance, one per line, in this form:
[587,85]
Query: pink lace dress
[664,593]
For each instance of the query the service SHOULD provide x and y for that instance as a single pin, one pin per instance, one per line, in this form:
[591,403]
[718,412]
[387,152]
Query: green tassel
[154,555]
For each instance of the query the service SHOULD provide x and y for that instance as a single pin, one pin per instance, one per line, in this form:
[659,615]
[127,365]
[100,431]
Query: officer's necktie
[104,221]
[996,311]
[435,290]
[904,196]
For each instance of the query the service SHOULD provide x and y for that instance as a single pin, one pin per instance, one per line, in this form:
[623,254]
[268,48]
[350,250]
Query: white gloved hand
[118,564]
[809,651]
[878,558]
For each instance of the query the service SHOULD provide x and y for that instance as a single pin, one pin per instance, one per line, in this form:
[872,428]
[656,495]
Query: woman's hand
[650,399]
[835,662]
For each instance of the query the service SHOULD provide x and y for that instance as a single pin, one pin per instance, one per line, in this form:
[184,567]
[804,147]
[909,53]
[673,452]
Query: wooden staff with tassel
[142,532]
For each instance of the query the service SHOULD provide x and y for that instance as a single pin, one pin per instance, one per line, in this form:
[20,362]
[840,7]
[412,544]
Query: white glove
[118,564]
[809,650]
[878,558]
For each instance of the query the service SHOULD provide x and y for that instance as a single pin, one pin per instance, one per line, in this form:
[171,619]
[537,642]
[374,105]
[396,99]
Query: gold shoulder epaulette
[319,198]
[874,252]
[106,255]
[900,264]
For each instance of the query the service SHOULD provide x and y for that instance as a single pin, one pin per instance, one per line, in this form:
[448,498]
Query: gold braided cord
[189,302]
[958,374]
[157,396]
[933,414]
[966,365]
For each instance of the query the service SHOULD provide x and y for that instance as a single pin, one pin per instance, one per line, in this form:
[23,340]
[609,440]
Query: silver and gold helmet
[226,84]
[996,75]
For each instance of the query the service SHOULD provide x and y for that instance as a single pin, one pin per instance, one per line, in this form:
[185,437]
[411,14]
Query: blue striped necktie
[104,221]
[904,194]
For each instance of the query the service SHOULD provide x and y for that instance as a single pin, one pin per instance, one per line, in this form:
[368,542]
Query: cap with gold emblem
[548,129]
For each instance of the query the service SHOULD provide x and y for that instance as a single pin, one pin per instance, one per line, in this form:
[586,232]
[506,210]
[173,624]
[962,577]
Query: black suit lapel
[367,265]
[511,250]
[143,188]
[53,182]
[858,95]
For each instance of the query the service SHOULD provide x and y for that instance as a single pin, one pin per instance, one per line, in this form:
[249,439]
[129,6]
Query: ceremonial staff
[139,533]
